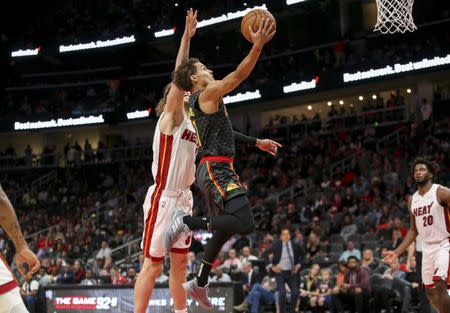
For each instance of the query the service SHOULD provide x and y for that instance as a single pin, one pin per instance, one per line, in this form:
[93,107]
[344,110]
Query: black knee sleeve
[246,222]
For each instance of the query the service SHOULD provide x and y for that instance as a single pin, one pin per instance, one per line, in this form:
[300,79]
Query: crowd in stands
[356,213]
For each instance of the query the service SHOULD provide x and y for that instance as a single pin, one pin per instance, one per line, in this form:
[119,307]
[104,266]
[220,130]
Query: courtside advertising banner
[120,299]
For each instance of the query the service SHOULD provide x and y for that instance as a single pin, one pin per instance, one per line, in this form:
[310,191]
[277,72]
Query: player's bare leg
[145,283]
[178,272]
[439,298]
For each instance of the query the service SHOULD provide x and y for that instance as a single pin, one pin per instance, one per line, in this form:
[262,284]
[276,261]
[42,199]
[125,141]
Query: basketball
[253,19]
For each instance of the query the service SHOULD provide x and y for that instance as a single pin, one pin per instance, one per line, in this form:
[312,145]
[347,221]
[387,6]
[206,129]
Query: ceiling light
[361,98]
[408,90]
[374,97]
[309,107]
[329,103]
[341,102]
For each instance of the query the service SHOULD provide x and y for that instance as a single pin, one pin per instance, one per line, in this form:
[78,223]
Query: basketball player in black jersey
[215,173]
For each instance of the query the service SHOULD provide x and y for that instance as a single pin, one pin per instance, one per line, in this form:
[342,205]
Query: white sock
[181,311]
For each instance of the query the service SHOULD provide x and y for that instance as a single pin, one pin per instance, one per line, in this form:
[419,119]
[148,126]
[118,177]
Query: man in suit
[249,277]
[285,264]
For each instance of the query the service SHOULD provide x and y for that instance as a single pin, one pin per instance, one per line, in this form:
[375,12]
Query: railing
[43,160]
[345,164]
[44,179]
[99,156]
[393,139]
[292,192]
[125,250]
[345,122]
[379,117]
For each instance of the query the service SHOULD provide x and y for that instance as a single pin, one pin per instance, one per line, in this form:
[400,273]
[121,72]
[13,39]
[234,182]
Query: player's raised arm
[9,222]
[175,95]
[189,31]
[214,92]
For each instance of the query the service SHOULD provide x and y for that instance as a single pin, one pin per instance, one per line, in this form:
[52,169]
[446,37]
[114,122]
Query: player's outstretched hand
[26,256]
[268,145]
[191,23]
[389,257]
[265,32]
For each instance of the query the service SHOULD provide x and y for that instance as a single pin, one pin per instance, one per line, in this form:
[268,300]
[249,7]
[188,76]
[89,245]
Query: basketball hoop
[394,16]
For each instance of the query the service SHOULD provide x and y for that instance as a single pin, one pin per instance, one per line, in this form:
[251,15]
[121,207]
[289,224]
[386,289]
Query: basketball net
[394,16]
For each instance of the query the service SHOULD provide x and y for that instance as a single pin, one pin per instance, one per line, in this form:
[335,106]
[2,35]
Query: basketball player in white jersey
[429,209]
[173,169]
[26,260]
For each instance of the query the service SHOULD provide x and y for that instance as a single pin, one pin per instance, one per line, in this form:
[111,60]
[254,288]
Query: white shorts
[158,207]
[435,262]
[11,301]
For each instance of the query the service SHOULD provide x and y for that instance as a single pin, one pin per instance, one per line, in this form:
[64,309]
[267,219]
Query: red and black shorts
[218,182]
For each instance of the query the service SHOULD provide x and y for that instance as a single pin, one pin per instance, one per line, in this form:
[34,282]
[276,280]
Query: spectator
[78,271]
[396,239]
[220,276]
[285,264]
[116,276]
[355,289]
[67,276]
[131,276]
[396,281]
[45,278]
[368,261]
[193,265]
[349,228]
[309,287]
[351,251]
[232,262]
[324,288]
[246,256]
[426,109]
[104,251]
[263,293]
[312,247]
[29,292]
[249,276]
[89,279]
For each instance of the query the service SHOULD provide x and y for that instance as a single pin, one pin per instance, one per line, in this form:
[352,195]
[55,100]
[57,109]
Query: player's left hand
[26,256]
[191,22]
[268,145]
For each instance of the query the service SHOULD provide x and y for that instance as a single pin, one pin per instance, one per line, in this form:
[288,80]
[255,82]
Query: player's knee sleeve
[244,215]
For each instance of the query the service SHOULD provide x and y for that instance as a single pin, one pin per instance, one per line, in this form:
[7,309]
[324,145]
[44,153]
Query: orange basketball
[253,19]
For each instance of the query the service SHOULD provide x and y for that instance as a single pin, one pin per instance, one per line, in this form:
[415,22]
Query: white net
[394,16]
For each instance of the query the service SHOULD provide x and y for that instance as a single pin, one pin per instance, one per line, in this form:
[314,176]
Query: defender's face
[421,173]
[203,76]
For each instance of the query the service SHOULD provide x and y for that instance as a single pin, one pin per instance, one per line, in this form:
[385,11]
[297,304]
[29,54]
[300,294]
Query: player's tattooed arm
[443,196]
[9,222]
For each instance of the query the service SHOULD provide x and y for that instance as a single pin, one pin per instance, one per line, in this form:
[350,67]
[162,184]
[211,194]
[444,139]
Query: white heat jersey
[173,166]
[432,219]
[6,276]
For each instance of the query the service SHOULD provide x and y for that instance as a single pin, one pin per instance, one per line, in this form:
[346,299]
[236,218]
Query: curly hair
[432,166]
[182,75]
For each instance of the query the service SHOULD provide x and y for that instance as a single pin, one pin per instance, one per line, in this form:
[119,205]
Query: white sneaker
[199,294]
